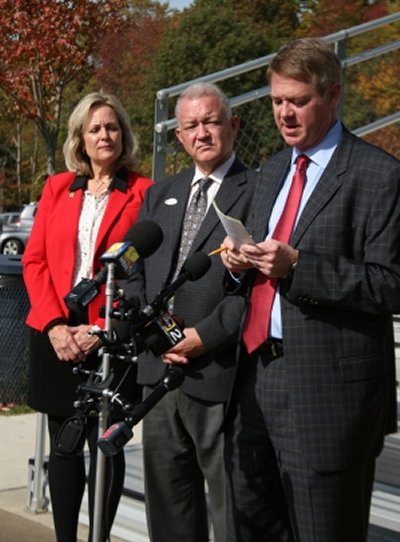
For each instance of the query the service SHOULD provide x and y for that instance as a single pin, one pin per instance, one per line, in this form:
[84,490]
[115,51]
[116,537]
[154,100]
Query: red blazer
[48,260]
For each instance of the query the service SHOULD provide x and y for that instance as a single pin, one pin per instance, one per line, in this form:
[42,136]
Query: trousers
[183,455]
[273,494]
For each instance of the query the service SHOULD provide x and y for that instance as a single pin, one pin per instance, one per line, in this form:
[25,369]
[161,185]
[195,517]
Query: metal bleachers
[385,506]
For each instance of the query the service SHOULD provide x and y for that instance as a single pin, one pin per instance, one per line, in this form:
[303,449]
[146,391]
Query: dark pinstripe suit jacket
[336,308]
[202,303]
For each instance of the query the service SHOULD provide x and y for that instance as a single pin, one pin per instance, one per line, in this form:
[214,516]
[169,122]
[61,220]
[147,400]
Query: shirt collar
[119,182]
[322,153]
[218,174]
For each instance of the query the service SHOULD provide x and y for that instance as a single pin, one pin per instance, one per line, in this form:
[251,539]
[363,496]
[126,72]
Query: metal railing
[166,150]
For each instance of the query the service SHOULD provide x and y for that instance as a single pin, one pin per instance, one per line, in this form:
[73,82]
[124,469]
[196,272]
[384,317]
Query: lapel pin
[72,194]
[171,201]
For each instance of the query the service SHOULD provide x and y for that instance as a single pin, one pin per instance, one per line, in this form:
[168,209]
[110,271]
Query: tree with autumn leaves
[44,46]
[54,51]
[125,67]
[209,36]
[372,90]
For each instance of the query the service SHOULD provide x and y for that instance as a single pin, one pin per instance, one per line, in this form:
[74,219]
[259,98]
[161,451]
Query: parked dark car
[13,239]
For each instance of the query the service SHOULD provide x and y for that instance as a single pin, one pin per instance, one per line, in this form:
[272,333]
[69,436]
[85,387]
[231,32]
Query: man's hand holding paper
[234,229]
[241,253]
[238,238]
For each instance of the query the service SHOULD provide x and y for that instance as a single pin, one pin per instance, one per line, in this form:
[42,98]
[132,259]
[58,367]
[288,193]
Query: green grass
[15,410]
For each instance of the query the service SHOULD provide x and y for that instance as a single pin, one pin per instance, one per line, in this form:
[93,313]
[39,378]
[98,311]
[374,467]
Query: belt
[272,348]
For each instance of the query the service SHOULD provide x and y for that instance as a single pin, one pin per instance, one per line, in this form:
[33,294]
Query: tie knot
[302,162]
[202,187]
[204,184]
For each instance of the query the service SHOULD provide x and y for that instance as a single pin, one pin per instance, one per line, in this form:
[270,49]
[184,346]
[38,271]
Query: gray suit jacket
[337,305]
[202,303]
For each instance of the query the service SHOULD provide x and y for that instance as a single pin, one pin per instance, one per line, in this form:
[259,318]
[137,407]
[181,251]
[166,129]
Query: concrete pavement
[17,446]
[14,528]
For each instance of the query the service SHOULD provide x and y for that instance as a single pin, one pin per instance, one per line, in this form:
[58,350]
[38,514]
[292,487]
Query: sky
[179,4]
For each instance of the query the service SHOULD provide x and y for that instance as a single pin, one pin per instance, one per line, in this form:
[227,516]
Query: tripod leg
[113,482]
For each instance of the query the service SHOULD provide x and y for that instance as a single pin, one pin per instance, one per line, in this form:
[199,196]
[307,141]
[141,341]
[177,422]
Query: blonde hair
[76,159]
[310,60]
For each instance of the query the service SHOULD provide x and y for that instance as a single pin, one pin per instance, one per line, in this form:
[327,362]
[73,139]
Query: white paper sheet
[234,228]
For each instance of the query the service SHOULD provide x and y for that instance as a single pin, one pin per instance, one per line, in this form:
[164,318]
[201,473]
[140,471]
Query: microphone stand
[104,414]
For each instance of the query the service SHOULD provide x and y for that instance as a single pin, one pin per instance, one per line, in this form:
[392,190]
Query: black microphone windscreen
[197,265]
[145,236]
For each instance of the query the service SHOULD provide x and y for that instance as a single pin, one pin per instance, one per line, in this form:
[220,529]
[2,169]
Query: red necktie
[262,295]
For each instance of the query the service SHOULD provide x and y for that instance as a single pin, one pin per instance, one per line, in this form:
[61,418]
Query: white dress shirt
[320,156]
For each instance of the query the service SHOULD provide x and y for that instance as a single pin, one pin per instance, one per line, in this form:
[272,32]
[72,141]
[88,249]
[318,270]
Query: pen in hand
[217,250]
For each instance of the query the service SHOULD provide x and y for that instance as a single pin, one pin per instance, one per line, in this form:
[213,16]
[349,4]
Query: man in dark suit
[315,389]
[182,439]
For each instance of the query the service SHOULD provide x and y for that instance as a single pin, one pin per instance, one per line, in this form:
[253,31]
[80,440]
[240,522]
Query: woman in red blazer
[81,213]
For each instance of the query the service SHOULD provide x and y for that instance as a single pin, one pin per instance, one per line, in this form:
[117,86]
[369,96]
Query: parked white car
[13,239]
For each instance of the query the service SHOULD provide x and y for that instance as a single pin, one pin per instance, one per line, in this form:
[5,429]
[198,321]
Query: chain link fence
[369,104]
[387,138]
[14,306]
[258,138]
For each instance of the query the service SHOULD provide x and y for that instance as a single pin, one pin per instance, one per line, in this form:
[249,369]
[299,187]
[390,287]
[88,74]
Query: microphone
[116,436]
[158,335]
[140,241]
[193,269]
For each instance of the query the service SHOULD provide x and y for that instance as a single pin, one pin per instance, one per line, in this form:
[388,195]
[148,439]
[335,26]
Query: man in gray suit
[316,384]
[182,438]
